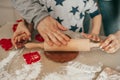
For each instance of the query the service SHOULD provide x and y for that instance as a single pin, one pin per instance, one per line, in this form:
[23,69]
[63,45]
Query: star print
[73,28]
[81,15]
[85,1]
[49,9]
[59,20]
[59,2]
[80,30]
[74,10]
[87,10]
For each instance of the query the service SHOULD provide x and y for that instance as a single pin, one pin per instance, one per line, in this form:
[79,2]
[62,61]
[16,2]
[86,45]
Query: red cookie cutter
[6,44]
[31,57]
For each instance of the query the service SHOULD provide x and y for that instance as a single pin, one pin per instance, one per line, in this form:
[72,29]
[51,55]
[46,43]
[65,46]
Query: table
[94,56]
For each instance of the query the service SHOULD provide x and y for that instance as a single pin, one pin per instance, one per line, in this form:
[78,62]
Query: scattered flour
[72,71]
[109,74]
[7,60]
[75,71]
[28,72]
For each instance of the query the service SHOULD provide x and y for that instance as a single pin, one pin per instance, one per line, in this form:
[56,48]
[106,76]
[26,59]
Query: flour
[105,76]
[28,72]
[75,71]
[54,76]
[114,77]
[80,68]
[5,61]
[109,74]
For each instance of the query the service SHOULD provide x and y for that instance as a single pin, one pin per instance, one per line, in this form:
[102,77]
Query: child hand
[93,37]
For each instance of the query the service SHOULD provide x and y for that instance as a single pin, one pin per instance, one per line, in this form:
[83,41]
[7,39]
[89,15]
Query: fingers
[62,38]
[21,35]
[57,38]
[47,39]
[92,37]
[60,26]
[112,49]
[17,33]
[19,40]
[13,42]
[107,41]
[50,30]
[98,38]
[111,44]
[53,38]
[65,37]
[14,39]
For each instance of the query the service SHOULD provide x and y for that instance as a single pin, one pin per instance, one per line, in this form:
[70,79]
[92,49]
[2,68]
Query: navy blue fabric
[110,15]
[92,15]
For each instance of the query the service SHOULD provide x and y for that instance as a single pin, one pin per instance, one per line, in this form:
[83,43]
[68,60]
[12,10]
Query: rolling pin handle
[34,45]
[92,44]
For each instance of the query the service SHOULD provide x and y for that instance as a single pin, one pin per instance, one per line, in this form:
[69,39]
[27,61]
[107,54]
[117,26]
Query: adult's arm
[35,12]
[96,17]
[31,10]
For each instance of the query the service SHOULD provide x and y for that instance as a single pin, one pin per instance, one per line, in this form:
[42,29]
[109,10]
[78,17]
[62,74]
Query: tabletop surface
[92,57]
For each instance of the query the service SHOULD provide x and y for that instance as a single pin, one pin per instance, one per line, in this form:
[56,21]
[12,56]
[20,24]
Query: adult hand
[21,35]
[111,44]
[51,31]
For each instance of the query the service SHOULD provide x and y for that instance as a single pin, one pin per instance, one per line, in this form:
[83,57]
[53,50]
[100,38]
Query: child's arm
[96,21]
[96,25]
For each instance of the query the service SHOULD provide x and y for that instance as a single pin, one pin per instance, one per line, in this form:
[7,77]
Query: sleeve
[31,10]
[92,8]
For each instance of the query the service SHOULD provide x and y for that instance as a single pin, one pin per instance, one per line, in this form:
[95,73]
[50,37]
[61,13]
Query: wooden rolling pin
[73,45]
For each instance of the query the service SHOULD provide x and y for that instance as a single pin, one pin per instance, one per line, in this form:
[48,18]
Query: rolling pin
[73,45]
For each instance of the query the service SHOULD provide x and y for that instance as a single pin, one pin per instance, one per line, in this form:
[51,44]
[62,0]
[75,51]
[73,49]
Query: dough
[61,56]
